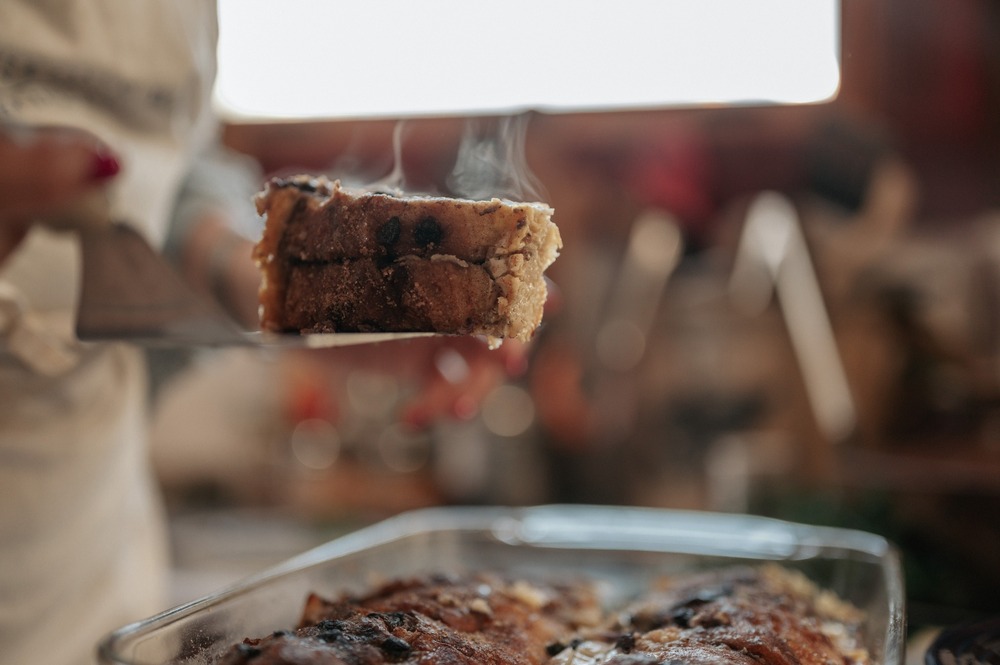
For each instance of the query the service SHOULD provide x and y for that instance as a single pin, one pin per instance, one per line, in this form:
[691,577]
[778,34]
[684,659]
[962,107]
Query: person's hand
[44,170]
[454,375]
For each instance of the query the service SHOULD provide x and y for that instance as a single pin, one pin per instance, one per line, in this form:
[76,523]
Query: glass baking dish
[624,548]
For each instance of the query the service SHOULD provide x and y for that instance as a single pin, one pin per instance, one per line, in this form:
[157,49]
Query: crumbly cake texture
[339,260]
[740,616]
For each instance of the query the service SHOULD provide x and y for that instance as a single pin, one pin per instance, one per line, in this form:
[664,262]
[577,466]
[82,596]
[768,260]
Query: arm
[213,231]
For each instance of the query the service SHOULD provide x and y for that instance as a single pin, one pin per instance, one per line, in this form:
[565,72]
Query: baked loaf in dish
[341,260]
[744,616]
[741,616]
[483,620]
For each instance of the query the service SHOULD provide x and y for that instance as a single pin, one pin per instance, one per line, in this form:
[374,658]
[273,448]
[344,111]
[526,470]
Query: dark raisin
[428,232]
[555,648]
[397,620]
[395,646]
[279,633]
[388,233]
[625,643]
[521,223]
[247,651]
[330,636]
[329,624]
[574,643]
[682,617]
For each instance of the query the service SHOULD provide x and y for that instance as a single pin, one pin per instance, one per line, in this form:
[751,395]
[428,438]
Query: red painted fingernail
[104,166]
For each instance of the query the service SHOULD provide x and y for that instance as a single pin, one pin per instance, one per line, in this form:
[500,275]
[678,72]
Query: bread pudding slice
[340,260]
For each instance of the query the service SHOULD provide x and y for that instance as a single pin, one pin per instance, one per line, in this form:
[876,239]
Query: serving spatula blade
[130,292]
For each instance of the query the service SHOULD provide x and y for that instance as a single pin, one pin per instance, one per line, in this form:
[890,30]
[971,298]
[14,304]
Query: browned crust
[739,616]
[484,620]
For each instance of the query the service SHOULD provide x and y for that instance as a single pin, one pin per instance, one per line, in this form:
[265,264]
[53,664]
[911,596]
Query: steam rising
[491,161]
[395,181]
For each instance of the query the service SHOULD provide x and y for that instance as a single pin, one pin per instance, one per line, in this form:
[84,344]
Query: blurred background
[779,297]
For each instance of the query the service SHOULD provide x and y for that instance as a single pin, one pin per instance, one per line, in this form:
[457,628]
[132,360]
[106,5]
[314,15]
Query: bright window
[398,58]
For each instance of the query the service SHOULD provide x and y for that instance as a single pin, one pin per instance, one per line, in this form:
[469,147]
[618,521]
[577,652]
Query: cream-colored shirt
[82,546]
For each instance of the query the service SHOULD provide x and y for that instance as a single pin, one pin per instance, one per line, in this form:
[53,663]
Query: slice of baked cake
[340,260]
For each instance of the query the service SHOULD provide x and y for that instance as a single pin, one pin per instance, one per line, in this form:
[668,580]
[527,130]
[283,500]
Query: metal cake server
[129,292]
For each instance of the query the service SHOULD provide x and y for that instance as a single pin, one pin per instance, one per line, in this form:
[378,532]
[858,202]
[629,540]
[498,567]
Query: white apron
[82,540]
